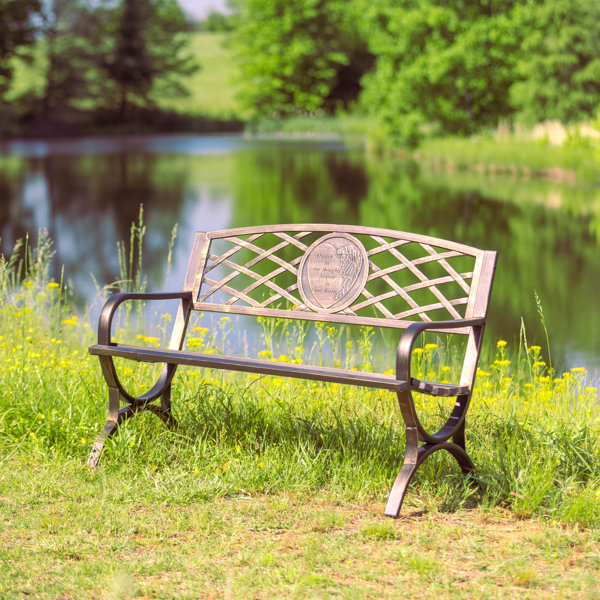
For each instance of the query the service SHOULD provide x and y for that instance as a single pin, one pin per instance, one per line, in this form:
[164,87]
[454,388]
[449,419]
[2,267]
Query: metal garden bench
[330,273]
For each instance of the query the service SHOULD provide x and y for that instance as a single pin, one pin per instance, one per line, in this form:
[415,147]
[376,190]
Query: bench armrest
[111,305]
[412,332]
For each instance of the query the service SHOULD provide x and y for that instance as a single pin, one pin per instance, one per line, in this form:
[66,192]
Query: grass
[349,125]
[213,88]
[81,536]
[576,161]
[274,487]
[520,157]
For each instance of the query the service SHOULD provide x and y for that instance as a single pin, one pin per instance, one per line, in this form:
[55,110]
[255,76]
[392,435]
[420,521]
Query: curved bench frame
[419,442]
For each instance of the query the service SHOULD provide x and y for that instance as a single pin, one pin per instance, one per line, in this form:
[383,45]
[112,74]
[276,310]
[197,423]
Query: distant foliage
[217,23]
[112,55]
[559,66]
[422,66]
[415,67]
[440,63]
[146,53]
[299,56]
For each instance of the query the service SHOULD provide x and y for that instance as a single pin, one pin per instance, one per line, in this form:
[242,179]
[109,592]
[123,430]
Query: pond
[87,192]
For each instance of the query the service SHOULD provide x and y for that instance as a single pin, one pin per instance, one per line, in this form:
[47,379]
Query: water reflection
[87,193]
[87,200]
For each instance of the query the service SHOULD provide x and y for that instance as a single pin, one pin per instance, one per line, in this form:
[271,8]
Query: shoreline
[513,157]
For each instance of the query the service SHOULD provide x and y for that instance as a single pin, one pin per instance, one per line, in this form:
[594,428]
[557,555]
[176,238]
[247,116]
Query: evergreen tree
[147,53]
[67,28]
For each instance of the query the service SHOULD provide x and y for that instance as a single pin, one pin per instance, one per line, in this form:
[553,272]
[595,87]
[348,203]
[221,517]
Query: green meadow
[214,87]
[273,487]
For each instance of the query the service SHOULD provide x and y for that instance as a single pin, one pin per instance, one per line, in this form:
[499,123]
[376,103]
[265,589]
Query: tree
[217,22]
[298,56]
[445,63]
[17,33]
[67,29]
[559,66]
[146,54]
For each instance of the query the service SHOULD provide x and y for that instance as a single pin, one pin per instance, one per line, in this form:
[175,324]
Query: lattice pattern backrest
[408,277]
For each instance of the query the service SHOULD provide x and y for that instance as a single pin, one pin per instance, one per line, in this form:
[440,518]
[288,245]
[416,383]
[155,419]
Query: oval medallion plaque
[333,272]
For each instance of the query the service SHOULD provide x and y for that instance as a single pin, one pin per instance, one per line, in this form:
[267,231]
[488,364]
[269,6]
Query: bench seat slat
[265,367]
[282,369]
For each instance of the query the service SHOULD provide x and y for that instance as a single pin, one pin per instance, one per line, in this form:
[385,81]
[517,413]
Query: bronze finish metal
[334,273]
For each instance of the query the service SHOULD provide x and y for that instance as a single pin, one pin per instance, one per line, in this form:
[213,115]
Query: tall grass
[532,433]
[575,161]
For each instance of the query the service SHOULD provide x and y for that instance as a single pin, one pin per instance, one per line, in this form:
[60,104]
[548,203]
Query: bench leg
[414,458]
[459,439]
[164,410]
[116,416]
[112,422]
[410,465]
[165,407]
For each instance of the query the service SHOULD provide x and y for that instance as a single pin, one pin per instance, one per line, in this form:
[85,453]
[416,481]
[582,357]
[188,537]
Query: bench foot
[116,416]
[414,458]
[94,458]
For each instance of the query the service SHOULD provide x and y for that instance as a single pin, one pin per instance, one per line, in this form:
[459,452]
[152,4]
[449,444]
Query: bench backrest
[339,273]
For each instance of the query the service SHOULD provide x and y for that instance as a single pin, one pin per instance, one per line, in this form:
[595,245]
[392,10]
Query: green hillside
[212,87]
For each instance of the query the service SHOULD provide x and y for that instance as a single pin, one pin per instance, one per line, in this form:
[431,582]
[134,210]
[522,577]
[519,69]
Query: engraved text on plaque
[333,272]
